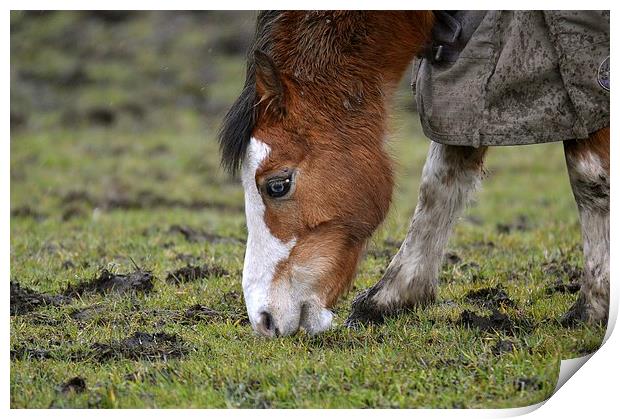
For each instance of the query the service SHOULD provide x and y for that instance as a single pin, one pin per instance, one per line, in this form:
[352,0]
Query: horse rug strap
[514,77]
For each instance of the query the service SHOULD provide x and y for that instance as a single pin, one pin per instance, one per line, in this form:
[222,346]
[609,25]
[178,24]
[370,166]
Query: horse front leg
[588,170]
[449,177]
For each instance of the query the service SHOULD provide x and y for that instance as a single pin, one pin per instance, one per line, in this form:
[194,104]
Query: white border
[591,393]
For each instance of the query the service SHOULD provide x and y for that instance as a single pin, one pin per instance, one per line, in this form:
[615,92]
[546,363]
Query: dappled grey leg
[449,177]
[588,169]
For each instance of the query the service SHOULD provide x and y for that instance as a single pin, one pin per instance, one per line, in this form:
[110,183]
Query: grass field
[121,176]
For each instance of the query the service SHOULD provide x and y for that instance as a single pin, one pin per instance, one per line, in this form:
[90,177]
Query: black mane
[234,135]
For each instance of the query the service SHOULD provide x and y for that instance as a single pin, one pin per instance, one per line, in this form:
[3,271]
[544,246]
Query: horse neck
[394,39]
[353,63]
[330,43]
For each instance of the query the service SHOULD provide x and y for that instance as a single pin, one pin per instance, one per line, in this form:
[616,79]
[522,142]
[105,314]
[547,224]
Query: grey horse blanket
[514,77]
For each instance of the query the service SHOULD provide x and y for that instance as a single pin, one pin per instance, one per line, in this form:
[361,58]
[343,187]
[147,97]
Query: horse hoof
[576,314]
[365,311]
[579,313]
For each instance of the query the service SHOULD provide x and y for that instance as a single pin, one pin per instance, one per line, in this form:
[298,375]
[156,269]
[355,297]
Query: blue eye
[277,188]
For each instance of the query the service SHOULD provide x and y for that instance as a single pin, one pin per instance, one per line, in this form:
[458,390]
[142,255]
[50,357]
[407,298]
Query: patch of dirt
[496,321]
[142,200]
[493,299]
[25,353]
[452,258]
[44,319]
[560,268]
[25,300]
[87,313]
[236,308]
[191,273]
[67,264]
[521,223]
[73,211]
[232,297]
[195,314]
[195,235]
[502,346]
[106,282]
[74,385]
[563,287]
[27,212]
[566,275]
[18,120]
[101,116]
[199,312]
[141,346]
[490,297]
[469,266]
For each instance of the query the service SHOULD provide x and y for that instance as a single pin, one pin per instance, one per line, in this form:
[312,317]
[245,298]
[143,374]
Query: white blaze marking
[263,251]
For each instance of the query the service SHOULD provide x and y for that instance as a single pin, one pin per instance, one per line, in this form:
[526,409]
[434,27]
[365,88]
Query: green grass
[422,359]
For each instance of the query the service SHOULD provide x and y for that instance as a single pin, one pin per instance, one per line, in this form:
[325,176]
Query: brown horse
[308,134]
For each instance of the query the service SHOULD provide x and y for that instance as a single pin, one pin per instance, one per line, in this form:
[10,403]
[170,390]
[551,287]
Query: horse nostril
[266,325]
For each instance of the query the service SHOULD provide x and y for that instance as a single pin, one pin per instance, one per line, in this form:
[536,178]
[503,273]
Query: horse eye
[277,188]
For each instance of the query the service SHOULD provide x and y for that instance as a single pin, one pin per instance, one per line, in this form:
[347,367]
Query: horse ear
[269,85]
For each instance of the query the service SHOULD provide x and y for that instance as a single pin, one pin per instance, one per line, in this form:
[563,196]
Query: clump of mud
[496,321]
[490,297]
[493,299]
[563,287]
[195,235]
[451,258]
[502,346]
[106,282]
[87,313]
[74,385]
[28,212]
[141,346]
[566,275]
[521,223]
[198,312]
[25,300]
[145,199]
[25,353]
[191,273]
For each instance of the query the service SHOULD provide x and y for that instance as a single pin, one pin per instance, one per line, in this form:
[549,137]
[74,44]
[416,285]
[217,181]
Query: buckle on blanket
[437,50]
[447,32]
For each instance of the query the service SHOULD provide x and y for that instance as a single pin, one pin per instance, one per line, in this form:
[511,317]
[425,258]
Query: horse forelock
[236,131]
